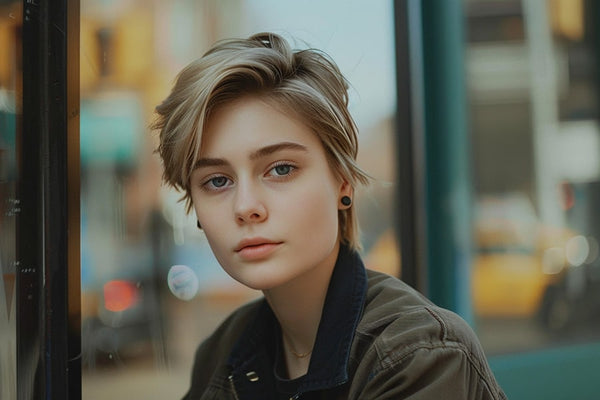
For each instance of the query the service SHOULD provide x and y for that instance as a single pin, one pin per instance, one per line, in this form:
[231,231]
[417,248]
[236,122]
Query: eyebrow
[267,150]
[262,152]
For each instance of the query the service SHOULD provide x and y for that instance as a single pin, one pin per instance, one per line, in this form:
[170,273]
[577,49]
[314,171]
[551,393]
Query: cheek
[214,230]
[314,212]
[210,217]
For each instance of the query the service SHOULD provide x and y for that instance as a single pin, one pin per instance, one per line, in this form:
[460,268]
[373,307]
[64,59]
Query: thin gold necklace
[300,355]
[295,353]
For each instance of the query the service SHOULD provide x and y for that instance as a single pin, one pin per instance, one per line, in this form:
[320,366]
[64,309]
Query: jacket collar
[257,350]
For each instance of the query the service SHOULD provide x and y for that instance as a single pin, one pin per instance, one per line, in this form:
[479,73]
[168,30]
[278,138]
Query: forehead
[251,122]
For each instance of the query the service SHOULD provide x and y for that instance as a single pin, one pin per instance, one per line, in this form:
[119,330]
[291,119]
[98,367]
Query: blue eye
[283,169]
[218,181]
[215,183]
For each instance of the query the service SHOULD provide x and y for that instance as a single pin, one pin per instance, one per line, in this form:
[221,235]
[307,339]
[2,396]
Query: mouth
[256,248]
[253,242]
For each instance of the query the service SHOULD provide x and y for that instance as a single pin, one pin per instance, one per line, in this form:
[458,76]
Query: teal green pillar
[447,156]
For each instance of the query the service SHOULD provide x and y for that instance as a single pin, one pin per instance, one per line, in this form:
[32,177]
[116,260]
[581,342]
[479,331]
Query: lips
[256,248]
[253,242]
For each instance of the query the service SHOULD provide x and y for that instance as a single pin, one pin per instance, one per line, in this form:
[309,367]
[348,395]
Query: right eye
[217,182]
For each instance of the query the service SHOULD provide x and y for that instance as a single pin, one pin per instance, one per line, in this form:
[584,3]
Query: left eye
[282,169]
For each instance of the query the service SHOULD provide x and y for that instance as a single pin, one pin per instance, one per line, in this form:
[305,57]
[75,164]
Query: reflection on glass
[151,289]
[10,86]
[532,75]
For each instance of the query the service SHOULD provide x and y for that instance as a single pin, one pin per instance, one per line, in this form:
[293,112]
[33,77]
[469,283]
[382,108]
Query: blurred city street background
[532,93]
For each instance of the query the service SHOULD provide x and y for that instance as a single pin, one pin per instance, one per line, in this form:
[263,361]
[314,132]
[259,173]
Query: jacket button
[252,376]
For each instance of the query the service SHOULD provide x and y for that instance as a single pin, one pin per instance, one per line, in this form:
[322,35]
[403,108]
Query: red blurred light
[119,295]
[567,196]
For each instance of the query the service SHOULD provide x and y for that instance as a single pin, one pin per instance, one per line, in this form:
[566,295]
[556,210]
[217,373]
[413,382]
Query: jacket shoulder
[389,299]
[392,304]
[403,337]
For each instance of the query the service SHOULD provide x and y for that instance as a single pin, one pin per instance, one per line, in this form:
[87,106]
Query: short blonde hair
[304,83]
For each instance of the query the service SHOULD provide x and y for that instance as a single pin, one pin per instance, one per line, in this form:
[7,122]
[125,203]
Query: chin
[260,284]
[262,281]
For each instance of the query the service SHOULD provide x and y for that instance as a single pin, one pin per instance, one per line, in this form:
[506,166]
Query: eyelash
[209,185]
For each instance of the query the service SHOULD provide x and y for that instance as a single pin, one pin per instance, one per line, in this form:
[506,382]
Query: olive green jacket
[402,347]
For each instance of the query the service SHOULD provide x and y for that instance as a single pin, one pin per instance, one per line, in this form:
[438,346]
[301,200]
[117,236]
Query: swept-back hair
[304,84]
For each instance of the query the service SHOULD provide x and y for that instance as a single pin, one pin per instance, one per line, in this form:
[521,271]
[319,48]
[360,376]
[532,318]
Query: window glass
[138,333]
[10,108]
[532,72]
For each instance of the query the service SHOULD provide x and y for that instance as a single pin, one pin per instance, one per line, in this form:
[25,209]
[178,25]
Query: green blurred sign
[111,128]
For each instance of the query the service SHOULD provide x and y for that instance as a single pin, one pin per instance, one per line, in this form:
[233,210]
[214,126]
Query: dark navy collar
[256,352]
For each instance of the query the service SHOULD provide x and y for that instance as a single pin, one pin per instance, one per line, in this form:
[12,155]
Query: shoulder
[405,339]
[394,308]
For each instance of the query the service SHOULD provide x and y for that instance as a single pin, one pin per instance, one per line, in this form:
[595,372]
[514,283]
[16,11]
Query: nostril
[254,213]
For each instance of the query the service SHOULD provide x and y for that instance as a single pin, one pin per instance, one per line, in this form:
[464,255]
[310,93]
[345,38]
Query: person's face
[265,195]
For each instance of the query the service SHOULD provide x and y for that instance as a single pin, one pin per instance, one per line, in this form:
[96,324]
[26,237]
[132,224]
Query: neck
[298,306]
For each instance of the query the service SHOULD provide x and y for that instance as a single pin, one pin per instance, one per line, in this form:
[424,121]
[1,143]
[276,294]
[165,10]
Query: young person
[259,139]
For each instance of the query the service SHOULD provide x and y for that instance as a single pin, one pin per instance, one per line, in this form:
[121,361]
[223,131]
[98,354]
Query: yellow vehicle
[519,265]
[518,261]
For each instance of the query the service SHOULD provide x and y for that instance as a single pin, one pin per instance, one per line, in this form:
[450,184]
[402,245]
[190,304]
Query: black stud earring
[198,224]
[346,200]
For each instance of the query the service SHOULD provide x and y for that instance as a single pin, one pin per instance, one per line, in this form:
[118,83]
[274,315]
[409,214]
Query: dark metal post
[48,277]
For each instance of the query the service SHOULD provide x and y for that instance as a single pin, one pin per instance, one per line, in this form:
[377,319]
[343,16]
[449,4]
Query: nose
[249,206]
